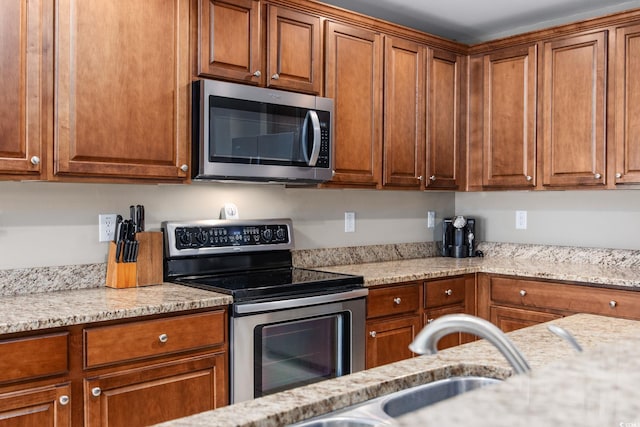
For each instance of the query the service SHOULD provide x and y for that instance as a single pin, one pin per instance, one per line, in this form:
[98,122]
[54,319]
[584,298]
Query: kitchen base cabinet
[42,406]
[155,394]
[389,340]
[453,295]
[510,319]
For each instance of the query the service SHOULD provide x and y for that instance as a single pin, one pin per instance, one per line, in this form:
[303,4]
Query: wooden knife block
[147,270]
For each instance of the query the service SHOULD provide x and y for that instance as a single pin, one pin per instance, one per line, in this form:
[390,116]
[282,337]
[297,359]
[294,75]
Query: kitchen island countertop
[594,388]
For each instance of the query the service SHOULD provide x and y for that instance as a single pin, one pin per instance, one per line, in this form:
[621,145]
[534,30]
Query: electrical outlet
[106,227]
[431,219]
[349,222]
[521,220]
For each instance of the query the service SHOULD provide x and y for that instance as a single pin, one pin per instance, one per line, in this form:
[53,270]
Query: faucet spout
[426,342]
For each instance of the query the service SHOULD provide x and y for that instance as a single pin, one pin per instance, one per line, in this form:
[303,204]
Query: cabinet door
[510,319]
[353,78]
[573,110]
[388,340]
[43,406]
[295,58]
[229,40]
[509,123]
[25,37]
[455,338]
[442,120]
[122,97]
[404,117]
[150,395]
[627,105]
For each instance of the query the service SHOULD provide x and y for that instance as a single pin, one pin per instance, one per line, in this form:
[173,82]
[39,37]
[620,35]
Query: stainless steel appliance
[459,237]
[288,326]
[257,134]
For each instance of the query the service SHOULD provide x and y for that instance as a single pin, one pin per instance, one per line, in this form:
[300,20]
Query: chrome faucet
[427,340]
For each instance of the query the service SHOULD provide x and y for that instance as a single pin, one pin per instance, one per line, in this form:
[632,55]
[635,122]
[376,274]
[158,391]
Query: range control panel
[222,236]
[225,236]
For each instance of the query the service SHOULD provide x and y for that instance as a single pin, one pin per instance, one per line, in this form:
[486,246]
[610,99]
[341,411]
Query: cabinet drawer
[29,358]
[393,300]
[566,298]
[444,292]
[119,343]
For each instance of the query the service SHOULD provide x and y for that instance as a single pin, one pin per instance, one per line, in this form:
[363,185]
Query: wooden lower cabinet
[41,406]
[450,340]
[509,319]
[388,340]
[157,393]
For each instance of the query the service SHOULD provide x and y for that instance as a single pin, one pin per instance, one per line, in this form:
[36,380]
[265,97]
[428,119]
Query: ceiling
[475,21]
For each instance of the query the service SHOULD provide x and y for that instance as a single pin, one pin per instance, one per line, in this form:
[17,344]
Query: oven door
[279,350]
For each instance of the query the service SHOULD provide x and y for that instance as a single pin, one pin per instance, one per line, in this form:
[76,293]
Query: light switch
[521,220]
[349,222]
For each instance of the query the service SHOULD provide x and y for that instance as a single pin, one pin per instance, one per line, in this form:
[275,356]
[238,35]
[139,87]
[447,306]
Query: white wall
[606,219]
[47,224]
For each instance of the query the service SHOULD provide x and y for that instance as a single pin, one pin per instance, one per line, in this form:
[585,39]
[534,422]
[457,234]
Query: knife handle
[119,250]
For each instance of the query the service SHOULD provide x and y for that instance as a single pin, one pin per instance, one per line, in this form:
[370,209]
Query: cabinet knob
[163,338]
[397,300]
[257,74]
[529,177]
[432,177]
[613,304]
[523,292]
[276,76]
[448,292]
[372,334]
[597,176]
[184,168]
[35,160]
[618,175]
[96,391]
[429,320]
[420,178]
[64,400]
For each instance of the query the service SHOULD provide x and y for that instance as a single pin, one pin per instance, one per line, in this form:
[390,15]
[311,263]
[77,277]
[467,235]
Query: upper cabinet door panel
[295,58]
[404,117]
[574,110]
[627,105]
[442,119]
[24,48]
[122,96]
[353,78]
[229,41]
[509,123]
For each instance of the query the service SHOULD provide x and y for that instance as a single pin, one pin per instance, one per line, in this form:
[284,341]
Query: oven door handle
[257,307]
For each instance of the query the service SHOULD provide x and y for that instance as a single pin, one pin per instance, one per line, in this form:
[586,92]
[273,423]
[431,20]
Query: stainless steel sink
[382,410]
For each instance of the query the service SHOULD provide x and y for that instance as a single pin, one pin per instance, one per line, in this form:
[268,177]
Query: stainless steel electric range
[288,326]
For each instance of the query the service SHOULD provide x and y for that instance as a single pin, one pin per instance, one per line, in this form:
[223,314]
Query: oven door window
[293,354]
[250,132]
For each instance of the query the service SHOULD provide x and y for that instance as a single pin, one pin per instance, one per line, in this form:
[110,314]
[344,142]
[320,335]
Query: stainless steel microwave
[248,133]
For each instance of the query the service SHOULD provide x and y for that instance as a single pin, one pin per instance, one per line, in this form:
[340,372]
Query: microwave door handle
[315,151]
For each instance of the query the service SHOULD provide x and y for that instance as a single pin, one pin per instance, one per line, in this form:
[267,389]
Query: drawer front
[29,358]
[444,292]
[119,343]
[393,300]
[566,298]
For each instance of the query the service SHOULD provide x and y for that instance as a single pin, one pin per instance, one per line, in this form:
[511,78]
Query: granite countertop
[28,312]
[380,273]
[597,387]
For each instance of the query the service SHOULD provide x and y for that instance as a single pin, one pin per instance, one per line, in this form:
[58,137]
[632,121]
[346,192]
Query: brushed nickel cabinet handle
[613,304]
[64,400]
[257,74]
[163,338]
[529,177]
[372,334]
[96,391]
[432,177]
[448,292]
[523,292]
[184,168]
[397,301]
[276,76]
[35,160]
[597,176]
[618,175]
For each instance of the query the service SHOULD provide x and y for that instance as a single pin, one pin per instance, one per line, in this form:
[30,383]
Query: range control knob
[185,238]
[202,236]
[280,233]
[267,234]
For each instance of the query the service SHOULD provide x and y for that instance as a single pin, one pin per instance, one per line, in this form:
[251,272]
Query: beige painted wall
[608,219]
[47,224]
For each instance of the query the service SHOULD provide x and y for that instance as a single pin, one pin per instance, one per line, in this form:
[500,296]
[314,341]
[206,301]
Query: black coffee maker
[459,237]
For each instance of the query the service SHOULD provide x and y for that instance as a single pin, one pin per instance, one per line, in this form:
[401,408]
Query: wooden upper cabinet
[404,113]
[229,40]
[509,121]
[353,78]
[25,47]
[443,120]
[122,89]
[295,56]
[627,105]
[573,110]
